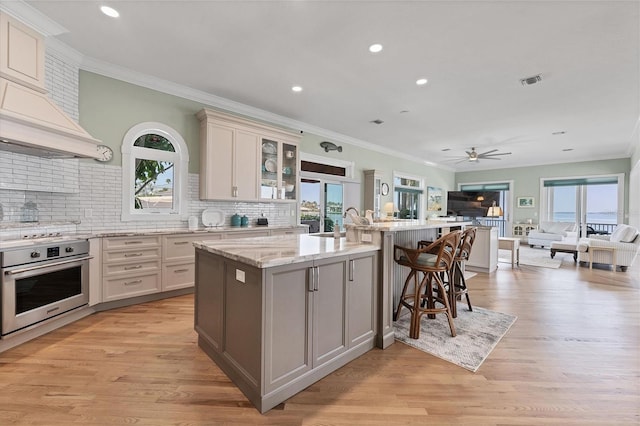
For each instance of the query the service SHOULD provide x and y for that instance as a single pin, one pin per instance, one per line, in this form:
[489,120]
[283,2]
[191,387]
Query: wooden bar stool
[433,261]
[458,285]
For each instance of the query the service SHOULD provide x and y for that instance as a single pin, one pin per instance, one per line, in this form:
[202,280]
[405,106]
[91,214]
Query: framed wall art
[525,202]
[434,199]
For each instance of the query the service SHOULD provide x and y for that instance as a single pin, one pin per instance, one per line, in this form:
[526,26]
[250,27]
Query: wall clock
[103,153]
[384,189]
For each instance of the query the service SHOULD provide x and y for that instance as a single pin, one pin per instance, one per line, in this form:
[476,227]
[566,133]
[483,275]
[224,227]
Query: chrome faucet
[351,208]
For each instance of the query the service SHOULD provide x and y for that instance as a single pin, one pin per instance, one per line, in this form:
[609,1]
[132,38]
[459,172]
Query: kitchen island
[279,313]
[386,234]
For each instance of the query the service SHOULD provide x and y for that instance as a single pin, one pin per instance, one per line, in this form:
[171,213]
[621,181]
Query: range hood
[30,123]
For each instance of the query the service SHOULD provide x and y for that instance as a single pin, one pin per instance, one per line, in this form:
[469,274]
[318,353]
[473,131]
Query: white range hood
[30,122]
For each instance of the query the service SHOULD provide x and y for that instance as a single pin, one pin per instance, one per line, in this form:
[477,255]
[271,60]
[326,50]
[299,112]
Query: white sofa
[624,239]
[549,232]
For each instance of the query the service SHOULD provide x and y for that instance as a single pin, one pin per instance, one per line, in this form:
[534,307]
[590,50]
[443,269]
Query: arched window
[155,163]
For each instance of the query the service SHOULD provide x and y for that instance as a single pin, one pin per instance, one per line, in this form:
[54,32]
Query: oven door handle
[33,268]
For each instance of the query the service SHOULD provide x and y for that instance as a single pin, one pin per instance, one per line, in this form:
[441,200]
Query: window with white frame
[155,163]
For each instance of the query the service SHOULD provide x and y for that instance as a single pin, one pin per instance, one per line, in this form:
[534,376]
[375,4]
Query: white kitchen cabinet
[22,58]
[130,267]
[243,160]
[228,159]
[178,259]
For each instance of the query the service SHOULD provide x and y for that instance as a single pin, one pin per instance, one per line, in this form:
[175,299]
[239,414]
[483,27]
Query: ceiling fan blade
[493,155]
[490,158]
[488,152]
[469,153]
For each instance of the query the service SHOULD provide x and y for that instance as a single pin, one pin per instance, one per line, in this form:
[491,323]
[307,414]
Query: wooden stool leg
[396,315]
[445,300]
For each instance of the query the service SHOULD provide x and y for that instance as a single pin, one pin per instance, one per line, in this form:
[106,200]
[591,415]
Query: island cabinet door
[288,296]
[361,298]
[329,309]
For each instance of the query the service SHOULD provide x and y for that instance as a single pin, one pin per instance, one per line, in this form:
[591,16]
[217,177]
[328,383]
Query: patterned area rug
[534,257]
[478,332]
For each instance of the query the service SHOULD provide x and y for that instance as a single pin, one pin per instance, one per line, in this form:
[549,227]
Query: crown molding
[63,51]
[32,17]
[144,80]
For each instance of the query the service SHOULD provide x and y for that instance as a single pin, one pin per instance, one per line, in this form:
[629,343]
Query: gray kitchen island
[277,314]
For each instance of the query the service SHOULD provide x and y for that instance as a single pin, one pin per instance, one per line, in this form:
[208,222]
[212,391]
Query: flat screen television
[471,203]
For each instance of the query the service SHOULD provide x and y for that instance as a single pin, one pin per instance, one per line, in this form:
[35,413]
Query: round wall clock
[103,153]
[384,189]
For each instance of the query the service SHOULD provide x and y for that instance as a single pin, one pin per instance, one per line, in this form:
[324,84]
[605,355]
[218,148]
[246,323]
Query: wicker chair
[432,261]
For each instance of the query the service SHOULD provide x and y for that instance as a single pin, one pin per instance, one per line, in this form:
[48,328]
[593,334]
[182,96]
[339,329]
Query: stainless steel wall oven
[42,280]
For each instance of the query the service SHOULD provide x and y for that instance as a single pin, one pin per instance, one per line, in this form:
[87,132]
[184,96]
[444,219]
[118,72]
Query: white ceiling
[474,54]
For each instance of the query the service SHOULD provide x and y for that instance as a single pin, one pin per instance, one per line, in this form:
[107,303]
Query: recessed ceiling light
[567,149]
[109,11]
[404,111]
[562,132]
[297,89]
[375,48]
[446,149]
[376,121]
[421,81]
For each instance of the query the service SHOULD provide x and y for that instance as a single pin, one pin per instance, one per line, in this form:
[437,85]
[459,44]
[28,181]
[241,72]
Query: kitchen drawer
[120,288]
[246,234]
[136,255]
[180,247]
[139,267]
[290,231]
[178,276]
[132,242]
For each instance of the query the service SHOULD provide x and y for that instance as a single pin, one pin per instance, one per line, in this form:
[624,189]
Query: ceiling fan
[473,156]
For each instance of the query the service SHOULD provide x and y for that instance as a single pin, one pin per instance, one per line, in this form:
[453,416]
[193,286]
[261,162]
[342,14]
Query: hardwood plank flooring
[571,358]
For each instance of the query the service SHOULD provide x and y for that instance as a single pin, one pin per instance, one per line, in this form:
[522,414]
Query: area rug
[533,257]
[477,333]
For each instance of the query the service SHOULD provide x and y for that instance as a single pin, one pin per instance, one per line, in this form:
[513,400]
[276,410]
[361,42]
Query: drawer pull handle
[133,282]
[132,254]
[127,268]
[181,242]
[181,270]
[133,242]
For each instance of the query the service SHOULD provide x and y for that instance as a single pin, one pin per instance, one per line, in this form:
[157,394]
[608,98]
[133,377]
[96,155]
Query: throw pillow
[624,234]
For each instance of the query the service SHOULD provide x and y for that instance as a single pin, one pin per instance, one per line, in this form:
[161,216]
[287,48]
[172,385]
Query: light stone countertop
[201,230]
[265,252]
[406,225]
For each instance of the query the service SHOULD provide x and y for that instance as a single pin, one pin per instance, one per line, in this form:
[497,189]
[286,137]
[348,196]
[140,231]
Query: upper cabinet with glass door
[279,170]
[241,159]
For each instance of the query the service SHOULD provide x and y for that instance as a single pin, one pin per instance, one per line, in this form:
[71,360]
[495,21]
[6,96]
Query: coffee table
[565,247]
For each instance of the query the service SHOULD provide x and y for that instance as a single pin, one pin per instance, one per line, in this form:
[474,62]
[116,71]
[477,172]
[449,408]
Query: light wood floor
[571,358]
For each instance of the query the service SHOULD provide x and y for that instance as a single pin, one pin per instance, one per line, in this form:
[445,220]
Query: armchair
[625,240]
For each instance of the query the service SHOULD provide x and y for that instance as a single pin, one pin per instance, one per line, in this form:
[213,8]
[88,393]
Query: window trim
[180,159]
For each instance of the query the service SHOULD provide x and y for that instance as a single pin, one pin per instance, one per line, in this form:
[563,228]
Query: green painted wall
[526,180]
[109,107]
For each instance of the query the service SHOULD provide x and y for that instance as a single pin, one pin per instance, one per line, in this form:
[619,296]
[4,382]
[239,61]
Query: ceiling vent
[531,80]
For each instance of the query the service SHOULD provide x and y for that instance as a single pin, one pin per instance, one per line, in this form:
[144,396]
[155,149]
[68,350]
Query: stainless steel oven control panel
[43,252]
